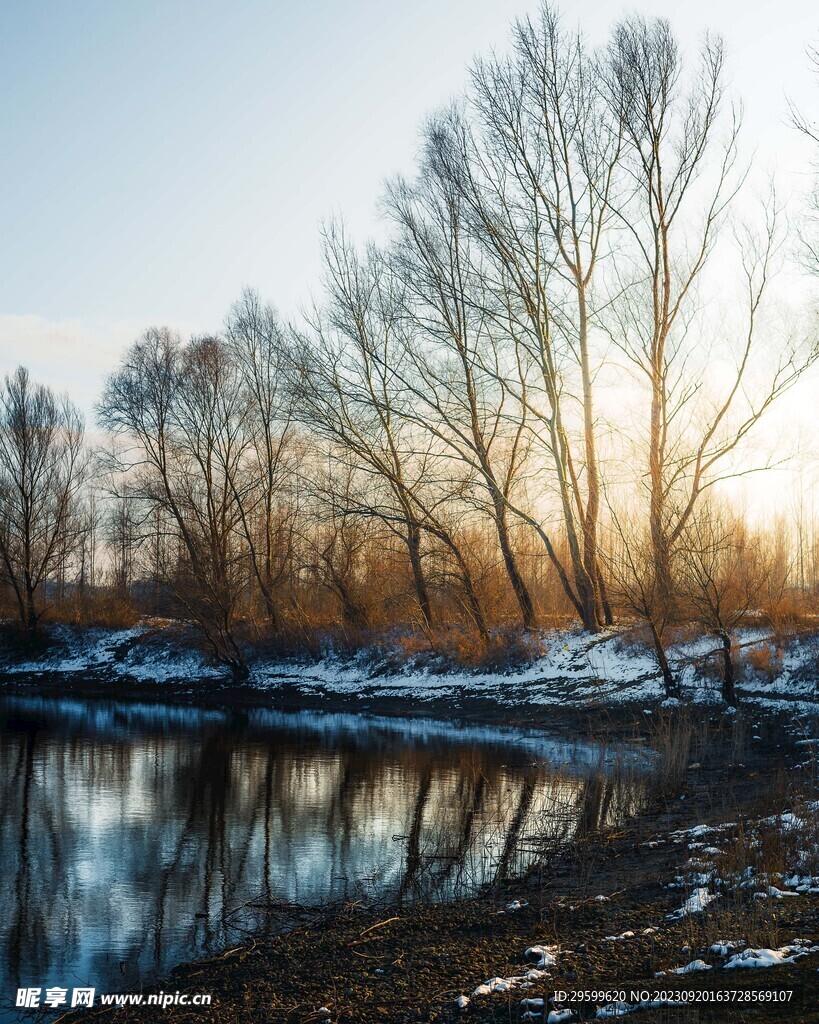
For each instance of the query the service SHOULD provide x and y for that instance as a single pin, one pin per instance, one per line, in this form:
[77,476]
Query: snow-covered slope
[574,669]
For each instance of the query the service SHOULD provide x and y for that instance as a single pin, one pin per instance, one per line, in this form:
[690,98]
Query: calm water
[133,836]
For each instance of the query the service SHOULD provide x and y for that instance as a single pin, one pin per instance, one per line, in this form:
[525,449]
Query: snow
[547,955]
[488,988]
[576,669]
[769,957]
[779,893]
[693,967]
[623,1009]
[143,653]
[462,1002]
[698,832]
[532,1009]
[722,947]
[500,985]
[696,902]
[547,958]
[510,908]
[613,1010]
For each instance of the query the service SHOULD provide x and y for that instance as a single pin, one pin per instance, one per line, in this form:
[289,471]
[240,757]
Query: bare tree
[182,409]
[544,115]
[123,532]
[809,128]
[671,134]
[684,178]
[632,569]
[258,344]
[723,572]
[448,346]
[335,541]
[343,384]
[534,176]
[42,471]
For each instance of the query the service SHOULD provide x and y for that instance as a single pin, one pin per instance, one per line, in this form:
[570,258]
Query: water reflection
[133,836]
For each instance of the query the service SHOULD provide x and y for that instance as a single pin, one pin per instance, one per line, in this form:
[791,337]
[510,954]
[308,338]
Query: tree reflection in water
[129,834]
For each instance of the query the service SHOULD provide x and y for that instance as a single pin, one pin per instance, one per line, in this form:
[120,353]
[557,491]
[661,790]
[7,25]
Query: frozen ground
[708,881]
[576,669]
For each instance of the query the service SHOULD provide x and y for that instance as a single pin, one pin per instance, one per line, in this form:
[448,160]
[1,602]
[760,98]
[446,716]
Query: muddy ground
[385,964]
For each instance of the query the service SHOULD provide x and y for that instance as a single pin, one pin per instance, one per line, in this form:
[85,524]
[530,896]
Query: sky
[160,156]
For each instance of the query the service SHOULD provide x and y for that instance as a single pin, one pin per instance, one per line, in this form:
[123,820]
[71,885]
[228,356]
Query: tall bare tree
[343,380]
[684,176]
[534,170]
[182,409]
[258,344]
[808,126]
[451,368]
[544,110]
[42,471]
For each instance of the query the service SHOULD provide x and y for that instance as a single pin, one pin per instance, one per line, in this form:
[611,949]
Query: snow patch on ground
[695,904]
[146,653]
[771,957]
[547,955]
[547,958]
[692,968]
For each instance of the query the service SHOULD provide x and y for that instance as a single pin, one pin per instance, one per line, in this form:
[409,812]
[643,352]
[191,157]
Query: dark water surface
[133,835]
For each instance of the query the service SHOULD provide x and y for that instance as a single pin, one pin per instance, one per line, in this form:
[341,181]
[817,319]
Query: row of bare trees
[524,400]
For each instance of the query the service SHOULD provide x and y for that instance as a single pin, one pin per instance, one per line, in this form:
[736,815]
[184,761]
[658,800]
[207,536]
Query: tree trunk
[656,469]
[31,617]
[475,610]
[421,592]
[599,610]
[671,687]
[524,598]
[354,615]
[474,605]
[728,688]
[605,606]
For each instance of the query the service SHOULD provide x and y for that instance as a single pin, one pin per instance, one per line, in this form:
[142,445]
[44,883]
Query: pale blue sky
[157,157]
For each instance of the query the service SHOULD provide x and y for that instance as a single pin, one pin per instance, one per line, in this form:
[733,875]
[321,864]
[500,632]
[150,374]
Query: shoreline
[290,699]
[412,962]
[602,914]
[608,675]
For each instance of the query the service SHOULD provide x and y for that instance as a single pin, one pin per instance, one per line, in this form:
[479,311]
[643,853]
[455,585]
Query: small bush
[765,661]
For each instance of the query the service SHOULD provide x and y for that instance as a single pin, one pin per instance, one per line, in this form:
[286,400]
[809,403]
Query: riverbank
[720,874]
[560,670]
[714,889]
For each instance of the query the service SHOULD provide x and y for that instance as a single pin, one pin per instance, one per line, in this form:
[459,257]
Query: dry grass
[765,660]
[677,742]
